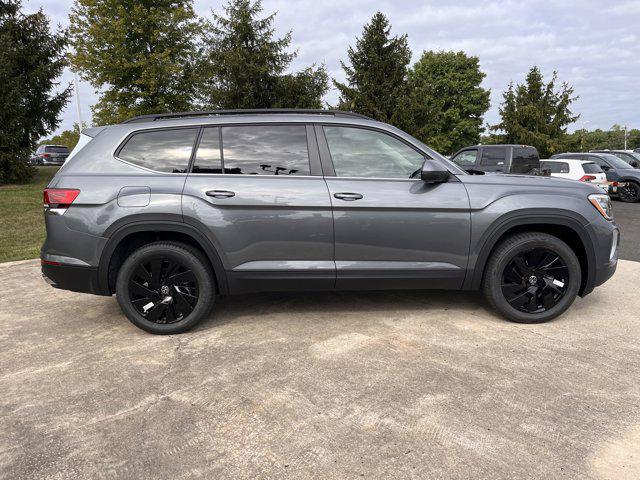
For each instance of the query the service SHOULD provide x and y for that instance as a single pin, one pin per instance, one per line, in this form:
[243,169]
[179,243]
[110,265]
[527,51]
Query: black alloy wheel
[629,193]
[166,287]
[163,290]
[534,281]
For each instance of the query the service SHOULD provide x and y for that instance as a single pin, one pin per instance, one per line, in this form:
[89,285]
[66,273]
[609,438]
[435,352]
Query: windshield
[615,161]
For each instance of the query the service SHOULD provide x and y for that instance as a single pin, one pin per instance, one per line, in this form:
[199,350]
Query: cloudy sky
[594,45]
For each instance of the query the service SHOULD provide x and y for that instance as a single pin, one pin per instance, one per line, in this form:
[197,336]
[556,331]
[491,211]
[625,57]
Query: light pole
[75,84]
[625,137]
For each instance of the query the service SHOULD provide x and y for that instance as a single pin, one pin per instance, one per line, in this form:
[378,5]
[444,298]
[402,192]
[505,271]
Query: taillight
[59,197]
[46,155]
[587,178]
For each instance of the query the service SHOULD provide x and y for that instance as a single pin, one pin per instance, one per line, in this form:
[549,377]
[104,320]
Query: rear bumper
[72,277]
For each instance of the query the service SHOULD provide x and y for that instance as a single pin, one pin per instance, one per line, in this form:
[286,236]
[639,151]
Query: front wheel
[532,277]
[630,193]
[165,287]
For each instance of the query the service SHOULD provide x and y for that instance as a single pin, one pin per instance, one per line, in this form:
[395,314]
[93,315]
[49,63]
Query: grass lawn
[21,217]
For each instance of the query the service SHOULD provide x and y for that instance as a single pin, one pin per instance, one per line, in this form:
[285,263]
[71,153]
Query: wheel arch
[568,228]
[133,235]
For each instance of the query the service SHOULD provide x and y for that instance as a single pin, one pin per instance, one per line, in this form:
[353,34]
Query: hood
[533,181]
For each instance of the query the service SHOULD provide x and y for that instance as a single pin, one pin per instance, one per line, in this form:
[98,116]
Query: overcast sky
[594,45]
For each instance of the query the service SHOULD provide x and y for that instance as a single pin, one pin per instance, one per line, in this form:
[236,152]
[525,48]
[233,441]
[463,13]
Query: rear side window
[555,167]
[160,150]
[265,150]
[494,157]
[591,168]
[56,149]
[209,155]
[525,159]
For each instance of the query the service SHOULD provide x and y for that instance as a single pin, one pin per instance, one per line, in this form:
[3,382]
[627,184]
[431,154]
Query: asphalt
[332,386]
[627,215]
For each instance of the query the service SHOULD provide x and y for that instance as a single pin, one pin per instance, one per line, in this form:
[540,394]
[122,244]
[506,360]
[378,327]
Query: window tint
[56,149]
[494,157]
[555,167]
[160,150]
[208,157]
[614,161]
[266,150]
[358,152]
[591,168]
[466,158]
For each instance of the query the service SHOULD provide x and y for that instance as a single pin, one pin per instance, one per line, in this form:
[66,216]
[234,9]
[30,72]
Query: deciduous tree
[140,55]
[445,102]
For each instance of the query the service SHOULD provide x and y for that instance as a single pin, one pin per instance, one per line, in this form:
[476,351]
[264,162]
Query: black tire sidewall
[187,258]
[506,252]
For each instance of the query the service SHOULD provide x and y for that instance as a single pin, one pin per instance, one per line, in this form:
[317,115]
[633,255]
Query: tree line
[160,56]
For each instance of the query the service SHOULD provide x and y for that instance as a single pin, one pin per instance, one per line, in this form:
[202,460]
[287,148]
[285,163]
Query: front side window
[466,158]
[265,150]
[358,152]
[160,150]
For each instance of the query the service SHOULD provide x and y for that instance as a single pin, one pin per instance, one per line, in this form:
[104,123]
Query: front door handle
[220,194]
[349,197]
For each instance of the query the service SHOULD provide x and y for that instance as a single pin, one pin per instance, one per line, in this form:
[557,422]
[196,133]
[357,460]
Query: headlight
[602,203]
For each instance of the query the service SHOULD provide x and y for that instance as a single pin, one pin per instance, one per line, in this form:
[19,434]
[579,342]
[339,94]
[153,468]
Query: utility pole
[75,84]
[625,137]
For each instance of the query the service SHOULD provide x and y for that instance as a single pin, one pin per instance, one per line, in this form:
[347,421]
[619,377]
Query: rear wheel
[165,287]
[629,193]
[532,277]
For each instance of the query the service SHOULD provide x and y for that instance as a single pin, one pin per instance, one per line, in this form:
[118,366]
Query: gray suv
[169,211]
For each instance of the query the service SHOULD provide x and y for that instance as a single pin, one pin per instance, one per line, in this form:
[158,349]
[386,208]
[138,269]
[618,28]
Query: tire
[630,193]
[545,288]
[165,287]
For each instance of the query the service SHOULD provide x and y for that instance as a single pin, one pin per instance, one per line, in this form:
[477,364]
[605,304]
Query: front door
[258,193]
[392,230]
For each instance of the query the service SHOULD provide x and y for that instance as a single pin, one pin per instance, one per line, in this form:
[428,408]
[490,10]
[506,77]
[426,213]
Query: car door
[258,193]
[391,231]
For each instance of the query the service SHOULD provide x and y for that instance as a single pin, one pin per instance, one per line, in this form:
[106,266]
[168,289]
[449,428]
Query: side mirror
[433,172]
[634,164]
[605,168]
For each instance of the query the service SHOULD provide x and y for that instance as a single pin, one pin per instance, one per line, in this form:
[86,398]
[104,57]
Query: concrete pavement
[349,385]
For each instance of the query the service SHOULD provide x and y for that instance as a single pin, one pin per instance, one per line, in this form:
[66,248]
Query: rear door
[257,191]
[391,230]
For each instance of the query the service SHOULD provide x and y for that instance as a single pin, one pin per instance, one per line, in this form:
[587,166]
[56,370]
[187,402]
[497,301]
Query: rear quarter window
[591,168]
[163,150]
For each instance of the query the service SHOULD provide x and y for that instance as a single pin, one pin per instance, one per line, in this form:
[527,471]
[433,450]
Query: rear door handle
[349,197]
[220,194]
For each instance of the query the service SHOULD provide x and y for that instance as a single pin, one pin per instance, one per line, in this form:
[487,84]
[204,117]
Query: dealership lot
[394,385]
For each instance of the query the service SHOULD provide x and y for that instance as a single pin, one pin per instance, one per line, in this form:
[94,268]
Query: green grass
[21,217]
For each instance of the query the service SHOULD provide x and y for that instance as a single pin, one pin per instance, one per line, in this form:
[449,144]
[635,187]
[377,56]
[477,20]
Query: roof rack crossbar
[264,111]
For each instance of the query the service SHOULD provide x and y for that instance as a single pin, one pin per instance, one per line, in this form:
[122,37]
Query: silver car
[170,211]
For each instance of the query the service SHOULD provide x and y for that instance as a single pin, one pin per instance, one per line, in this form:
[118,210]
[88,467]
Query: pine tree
[245,64]
[536,114]
[141,56]
[377,72]
[31,59]
[445,101]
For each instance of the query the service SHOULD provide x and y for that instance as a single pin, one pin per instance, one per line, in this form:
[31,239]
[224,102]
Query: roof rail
[264,111]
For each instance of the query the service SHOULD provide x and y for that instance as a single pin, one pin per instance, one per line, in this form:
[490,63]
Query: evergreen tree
[245,64]
[31,58]
[377,72]
[445,101]
[536,114]
[140,55]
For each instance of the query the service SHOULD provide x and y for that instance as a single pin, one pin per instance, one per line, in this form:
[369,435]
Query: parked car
[480,159]
[637,150]
[50,155]
[169,211]
[617,171]
[630,157]
[581,170]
